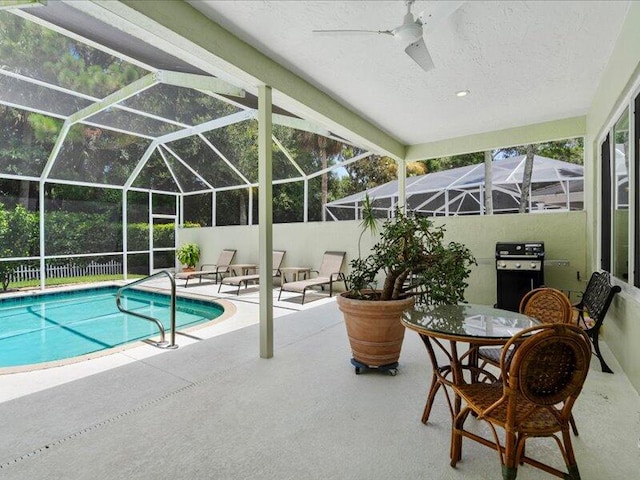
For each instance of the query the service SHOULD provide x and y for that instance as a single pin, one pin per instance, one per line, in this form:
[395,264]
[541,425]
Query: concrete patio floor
[214,409]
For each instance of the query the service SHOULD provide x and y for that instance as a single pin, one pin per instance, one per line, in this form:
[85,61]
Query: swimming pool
[54,326]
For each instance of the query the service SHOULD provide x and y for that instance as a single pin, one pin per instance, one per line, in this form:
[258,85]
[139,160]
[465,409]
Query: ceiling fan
[412,29]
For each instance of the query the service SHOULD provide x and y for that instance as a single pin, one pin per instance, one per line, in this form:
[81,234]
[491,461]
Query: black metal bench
[595,302]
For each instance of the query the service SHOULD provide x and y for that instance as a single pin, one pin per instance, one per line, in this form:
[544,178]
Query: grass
[49,282]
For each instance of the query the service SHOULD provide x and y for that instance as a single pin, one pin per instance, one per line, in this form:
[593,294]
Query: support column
[265,220]
[125,231]
[43,263]
[402,185]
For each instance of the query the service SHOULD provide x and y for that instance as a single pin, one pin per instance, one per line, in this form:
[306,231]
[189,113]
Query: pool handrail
[162,343]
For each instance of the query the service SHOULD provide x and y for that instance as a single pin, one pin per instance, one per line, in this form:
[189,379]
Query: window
[620,163]
[620,196]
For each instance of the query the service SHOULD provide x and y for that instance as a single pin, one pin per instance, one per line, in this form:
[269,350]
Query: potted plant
[189,255]
[414,260]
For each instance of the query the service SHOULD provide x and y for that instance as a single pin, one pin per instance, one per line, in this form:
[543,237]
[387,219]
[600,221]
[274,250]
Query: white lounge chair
[206,270]
[240,280]
[328,273]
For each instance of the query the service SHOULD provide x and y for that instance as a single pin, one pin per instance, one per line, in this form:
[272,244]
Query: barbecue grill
[519,269]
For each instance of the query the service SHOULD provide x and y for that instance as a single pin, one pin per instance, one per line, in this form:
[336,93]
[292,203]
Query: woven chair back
[550,366]
[547,305]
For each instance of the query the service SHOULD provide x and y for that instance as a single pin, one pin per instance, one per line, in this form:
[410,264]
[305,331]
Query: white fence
[24,272]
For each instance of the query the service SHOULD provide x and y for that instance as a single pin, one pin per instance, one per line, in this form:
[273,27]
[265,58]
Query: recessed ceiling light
[462,93]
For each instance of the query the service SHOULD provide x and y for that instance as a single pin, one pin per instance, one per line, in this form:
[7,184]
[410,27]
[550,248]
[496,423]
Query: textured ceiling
[524,62]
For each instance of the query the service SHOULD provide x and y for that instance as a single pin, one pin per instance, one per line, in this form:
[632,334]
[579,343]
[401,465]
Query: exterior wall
[563,234]
[621,329]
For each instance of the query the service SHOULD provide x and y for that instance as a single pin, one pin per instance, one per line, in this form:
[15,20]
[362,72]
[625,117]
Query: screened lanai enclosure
[108,144]
[555,185]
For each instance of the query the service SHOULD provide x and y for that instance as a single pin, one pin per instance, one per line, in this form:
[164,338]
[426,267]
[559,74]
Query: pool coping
[229,309]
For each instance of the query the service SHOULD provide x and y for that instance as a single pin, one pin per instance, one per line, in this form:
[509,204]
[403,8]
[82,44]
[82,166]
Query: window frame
[635,151]
[606,204]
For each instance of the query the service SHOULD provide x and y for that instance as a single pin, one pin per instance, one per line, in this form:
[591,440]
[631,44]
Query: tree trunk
[27,140]
[526,179]
[325,184]
[242,210]
[24,194]
[488,183]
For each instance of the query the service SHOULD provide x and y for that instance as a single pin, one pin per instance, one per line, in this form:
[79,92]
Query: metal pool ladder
[162,343]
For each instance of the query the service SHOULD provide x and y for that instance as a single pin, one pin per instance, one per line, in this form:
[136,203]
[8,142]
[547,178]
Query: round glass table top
[467,320]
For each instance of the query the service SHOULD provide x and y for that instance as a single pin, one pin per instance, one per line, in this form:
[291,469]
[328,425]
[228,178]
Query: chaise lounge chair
[240,280]
[217,270]
[328,273]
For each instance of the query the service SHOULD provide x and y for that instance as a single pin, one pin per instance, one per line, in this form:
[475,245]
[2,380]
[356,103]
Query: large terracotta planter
[374,328]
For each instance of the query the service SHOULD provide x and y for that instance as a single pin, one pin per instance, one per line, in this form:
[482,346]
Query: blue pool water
[55,326]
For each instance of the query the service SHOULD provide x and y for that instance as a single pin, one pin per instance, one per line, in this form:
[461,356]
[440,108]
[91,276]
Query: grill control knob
[503,265]
[533,265]
[517,265]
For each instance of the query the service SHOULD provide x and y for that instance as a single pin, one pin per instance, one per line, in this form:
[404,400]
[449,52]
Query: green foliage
[411,245]
[188,254]
[570,150]
[68,233]
[26,138]
[73,232]
[45,129]
[18,236]
[163,234]
[367,173]
[455,161]
[369,221]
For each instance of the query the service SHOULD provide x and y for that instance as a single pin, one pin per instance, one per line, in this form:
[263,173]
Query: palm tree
[488,182]
[323,148]
[526,178]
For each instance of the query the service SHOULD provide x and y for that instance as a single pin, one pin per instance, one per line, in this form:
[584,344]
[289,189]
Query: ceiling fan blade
[436,13]
[419,53]
[351,32]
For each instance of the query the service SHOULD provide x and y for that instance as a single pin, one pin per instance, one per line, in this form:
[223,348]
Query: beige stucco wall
[622,328]
[563,234]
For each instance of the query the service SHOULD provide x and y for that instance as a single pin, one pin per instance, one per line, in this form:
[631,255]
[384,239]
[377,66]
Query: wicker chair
[540,382]
[547,305]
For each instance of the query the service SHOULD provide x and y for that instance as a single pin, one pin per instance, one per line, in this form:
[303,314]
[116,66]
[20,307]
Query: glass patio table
[472,324]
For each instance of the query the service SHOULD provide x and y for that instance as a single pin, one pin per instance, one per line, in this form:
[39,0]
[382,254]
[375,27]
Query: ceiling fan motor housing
[409,31]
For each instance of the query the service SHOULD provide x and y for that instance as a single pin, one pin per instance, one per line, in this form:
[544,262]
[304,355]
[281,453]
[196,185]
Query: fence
[25,272]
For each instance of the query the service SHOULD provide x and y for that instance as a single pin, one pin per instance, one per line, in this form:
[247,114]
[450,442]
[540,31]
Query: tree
[488,182]
[18,236]
[526,178]
[373,171]
[570,150]
[455,161]
[324,148]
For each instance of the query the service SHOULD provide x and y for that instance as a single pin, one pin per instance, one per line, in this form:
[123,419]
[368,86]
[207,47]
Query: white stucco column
[265,219]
